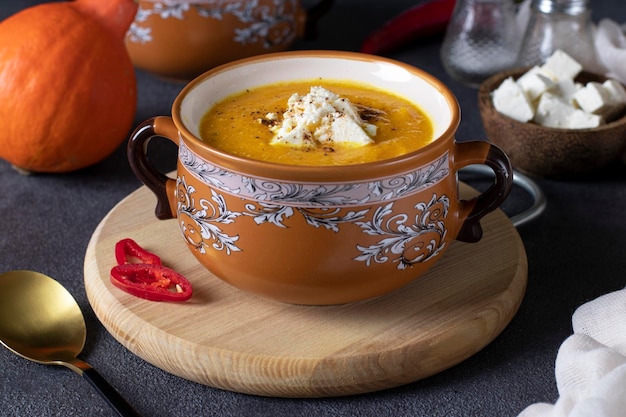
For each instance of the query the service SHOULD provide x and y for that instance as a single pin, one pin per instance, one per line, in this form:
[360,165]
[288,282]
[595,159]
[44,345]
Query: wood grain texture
[228,339]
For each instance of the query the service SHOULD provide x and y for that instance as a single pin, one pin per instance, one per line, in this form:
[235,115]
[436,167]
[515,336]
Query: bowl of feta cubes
[555,120]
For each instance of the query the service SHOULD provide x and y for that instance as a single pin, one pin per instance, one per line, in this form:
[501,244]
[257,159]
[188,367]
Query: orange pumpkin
[67,85]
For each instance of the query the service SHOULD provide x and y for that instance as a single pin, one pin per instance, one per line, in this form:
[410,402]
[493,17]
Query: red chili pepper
[152,282]
[140,273]
[127,251]
[423,20]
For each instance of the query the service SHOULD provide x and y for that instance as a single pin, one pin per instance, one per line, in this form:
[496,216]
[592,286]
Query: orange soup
[239,125]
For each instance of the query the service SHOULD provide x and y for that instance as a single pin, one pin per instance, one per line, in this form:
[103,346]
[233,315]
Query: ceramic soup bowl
[180,39]
[318,235]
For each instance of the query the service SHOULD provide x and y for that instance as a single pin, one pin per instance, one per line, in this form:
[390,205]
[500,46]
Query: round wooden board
[228,339]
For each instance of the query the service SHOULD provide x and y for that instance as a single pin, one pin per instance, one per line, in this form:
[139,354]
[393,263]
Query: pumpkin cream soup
[316,122]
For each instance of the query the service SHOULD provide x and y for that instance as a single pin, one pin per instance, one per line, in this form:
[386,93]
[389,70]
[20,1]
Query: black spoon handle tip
[109,393]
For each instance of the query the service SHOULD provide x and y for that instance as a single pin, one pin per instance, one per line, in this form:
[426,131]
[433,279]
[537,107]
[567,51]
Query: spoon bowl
[40,321]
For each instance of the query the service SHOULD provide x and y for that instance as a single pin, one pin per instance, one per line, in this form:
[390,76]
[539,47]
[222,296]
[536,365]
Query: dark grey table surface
[576,252]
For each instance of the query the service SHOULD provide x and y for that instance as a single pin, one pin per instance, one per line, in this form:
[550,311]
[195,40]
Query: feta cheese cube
[560,66]
[593,98]
[535,83]
[567,89]
[583,120]
[341,128]
[617,95]
[553,111]
[510,100]
[298,137]
[616,91]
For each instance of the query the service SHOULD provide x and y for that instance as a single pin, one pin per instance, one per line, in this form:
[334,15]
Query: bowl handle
[137,151]
[471,211]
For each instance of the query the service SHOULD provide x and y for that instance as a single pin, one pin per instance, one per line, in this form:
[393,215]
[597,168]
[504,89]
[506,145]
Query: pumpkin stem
[114,15]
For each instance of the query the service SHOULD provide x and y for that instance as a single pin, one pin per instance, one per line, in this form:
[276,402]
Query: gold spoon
[41,321]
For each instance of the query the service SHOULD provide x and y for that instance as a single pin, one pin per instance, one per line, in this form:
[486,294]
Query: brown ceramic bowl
[550,152]
[310,234]
[180,40]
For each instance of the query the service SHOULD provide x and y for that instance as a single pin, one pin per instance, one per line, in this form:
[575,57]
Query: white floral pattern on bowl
[274,202]
[260,21]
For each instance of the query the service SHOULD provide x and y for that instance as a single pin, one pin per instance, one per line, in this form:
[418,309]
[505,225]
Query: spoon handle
[109,393]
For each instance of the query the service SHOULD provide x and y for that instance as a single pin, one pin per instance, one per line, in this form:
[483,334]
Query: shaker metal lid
[570,7]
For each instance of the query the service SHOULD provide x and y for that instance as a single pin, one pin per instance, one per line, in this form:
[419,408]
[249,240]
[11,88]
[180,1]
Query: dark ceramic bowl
[550,152]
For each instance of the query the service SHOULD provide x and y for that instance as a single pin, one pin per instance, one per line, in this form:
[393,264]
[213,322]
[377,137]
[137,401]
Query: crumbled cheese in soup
[316,122]
[321,119]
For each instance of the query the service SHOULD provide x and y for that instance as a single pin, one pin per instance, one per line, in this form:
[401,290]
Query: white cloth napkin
[591,364]
[610,43]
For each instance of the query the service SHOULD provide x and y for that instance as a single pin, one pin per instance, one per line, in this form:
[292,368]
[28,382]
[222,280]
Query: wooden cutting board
[225,338]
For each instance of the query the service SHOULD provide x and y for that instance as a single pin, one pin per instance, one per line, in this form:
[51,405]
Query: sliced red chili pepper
[127,251]
[423,20]
[151,282]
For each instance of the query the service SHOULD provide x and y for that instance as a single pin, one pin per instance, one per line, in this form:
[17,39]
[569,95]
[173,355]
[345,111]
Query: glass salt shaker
[481,39]
[559,24]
